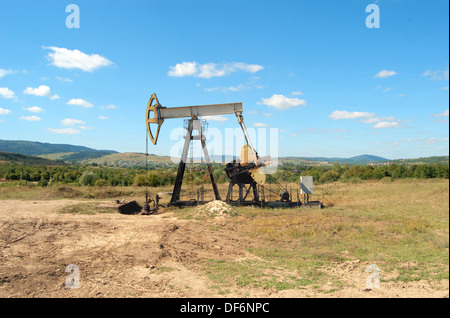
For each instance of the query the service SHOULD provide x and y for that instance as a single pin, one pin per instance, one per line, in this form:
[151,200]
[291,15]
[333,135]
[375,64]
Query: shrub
[329,176]
[100,182]
[88,178]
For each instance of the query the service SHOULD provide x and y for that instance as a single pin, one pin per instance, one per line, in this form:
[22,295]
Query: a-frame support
[194,124]
[242,200]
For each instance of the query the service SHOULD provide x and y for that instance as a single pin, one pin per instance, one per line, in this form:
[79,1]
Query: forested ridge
[97,175]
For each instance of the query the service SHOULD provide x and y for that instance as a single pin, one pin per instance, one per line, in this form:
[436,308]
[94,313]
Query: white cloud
[385,74]
[5,92]
[71,122]
[372,120]
[6,72]
[368,118]
[259,125]
[30,118]
[437,75]
[445,88]
[35,109]
[109,107]
[249,68]
[218,118]
[209,70]
[261,113]
[282,102]
[102,117]
[85,127]
[68,131]
[4,111]
[443,114]
[335,131]
[42,90]
[64,79]
[435,140]
[296,93]
[75,59]
[183,69]
[227,89]
[80,102]
[387,124]
[324,130]
[343,114]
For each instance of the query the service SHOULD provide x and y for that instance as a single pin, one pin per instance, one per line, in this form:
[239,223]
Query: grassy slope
[402,227]
[427,160]
[6,157]
[130,157]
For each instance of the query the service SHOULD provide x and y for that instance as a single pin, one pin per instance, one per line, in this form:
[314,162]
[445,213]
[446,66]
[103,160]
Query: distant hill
[8,157]
[33,148]
[426,160]
[362,159]
[129,159]
[80,154]
[65,152]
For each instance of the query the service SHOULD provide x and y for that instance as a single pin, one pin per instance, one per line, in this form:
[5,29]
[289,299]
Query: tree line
[355,173]
[89,175]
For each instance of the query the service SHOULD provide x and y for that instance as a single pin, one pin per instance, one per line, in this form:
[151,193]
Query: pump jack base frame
[246,188]
[193,124]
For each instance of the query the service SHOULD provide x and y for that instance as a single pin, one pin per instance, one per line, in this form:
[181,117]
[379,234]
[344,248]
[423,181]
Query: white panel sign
[306,184]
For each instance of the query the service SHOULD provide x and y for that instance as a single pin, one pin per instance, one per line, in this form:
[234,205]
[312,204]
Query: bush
[386,179]
[329,176]
[139,180]
[100,182]
[43,183]
[153,180]
[88,178]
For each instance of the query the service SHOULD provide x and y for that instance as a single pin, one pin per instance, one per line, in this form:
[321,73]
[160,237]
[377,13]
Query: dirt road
[140,256]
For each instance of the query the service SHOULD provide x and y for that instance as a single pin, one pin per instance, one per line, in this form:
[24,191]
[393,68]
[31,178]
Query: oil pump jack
[247,171]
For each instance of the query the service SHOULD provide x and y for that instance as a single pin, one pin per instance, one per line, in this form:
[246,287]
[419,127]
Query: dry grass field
[401,226]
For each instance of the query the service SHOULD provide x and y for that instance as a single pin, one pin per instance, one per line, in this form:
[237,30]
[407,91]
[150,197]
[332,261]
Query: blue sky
[313,69]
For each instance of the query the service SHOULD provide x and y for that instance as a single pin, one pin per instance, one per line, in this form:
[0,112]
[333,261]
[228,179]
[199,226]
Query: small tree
[100,182]
[43,182]
[88,178]
[329,176]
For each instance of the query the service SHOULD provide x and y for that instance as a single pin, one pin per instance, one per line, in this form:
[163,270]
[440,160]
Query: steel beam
[200,110]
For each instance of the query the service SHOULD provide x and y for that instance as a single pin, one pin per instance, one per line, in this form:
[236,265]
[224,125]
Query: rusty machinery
[246,174]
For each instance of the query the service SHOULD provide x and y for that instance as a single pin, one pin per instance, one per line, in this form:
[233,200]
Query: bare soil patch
[159,255]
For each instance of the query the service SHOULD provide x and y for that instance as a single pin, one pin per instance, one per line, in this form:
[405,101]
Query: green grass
[86,209]
[402,226]
[389,224]
[31,191]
